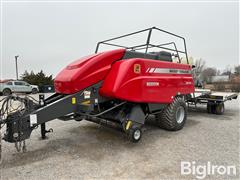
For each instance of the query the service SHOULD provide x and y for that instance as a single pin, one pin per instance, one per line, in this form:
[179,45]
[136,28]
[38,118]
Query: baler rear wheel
[174,116]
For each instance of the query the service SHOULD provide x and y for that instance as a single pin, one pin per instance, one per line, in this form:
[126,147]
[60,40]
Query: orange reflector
[137,68]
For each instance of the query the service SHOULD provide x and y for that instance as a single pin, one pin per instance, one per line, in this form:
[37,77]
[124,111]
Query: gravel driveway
[84,150]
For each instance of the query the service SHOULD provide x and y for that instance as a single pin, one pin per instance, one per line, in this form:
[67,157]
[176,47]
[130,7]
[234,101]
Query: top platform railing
[146,46]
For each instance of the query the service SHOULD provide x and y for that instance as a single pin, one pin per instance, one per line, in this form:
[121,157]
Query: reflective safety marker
[86,102]
[137,68]
[128,125]
[73,100]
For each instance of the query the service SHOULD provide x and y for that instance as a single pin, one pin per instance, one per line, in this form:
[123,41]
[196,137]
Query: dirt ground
[84,150]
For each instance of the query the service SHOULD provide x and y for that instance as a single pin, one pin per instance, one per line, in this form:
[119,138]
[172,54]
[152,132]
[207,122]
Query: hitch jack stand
[43,125]
[44,131]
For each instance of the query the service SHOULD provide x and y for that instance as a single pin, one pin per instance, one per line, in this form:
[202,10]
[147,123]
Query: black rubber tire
[131,134]
[34,91]
[167,118]
[219,110]
[7,92]
[211,108]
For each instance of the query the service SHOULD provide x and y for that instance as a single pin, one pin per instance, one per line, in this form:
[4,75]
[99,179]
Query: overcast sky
[49,36]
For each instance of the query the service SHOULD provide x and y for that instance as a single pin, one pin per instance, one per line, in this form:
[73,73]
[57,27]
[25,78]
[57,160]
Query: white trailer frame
[214,100]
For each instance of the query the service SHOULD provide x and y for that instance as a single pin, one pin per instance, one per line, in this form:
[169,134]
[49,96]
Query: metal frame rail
[148,43]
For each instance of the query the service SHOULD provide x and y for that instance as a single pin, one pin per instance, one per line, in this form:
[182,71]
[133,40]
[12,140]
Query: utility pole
[16,58]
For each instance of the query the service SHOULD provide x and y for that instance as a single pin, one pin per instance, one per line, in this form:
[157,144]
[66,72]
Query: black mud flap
[135,118]
[137,115]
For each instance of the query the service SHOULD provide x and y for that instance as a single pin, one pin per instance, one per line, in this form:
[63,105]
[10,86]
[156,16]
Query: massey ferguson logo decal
[168,71]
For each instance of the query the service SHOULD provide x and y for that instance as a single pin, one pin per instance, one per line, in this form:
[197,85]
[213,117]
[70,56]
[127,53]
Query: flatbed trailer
[214,100]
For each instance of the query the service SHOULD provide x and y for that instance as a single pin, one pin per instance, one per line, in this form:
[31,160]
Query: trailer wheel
[219,110]
[174,116]
[211,108]
[135,134]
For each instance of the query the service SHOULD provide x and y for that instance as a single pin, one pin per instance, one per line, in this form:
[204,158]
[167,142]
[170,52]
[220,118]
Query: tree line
[39,78]
[205,74]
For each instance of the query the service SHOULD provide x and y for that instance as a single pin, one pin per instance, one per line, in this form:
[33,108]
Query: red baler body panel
[86,71]
[154,84]
[156,81]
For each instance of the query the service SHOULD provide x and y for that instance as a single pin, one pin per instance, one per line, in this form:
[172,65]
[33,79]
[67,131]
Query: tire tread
[166,119]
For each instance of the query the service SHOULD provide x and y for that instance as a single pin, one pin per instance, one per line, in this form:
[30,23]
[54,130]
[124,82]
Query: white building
[222,78]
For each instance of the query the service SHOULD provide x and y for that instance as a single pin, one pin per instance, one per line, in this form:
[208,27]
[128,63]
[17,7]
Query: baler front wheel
[173,117]
[135,134]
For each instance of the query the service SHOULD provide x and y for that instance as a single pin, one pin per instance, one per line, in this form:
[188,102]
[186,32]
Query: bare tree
[199,67]
[208,73]
[237,70]
[227,70]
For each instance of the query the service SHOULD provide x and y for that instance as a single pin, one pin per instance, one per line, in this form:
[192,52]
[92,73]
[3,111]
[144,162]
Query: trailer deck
[214,100]
[208,95]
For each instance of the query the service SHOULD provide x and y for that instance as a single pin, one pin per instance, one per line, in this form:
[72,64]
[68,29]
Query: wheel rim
[180,114]
[137,134]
